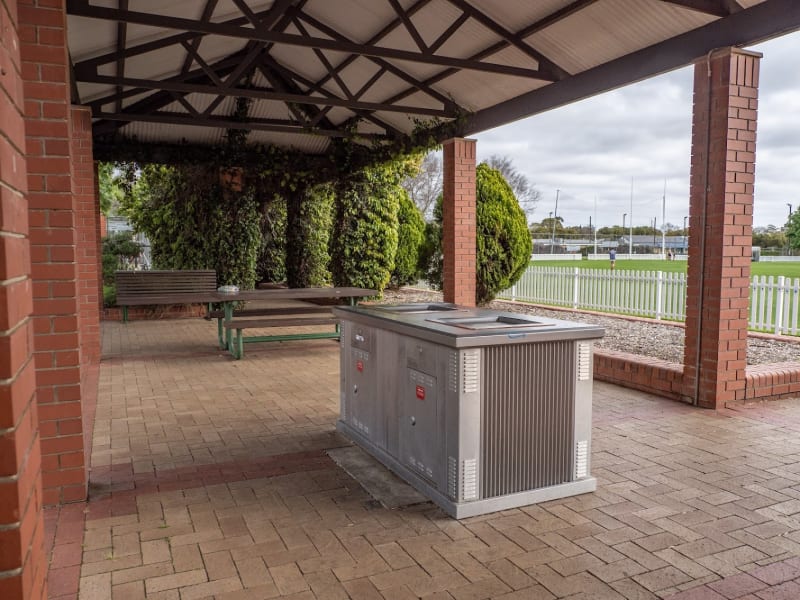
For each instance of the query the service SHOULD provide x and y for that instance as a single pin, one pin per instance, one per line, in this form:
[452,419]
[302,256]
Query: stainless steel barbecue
[480,410]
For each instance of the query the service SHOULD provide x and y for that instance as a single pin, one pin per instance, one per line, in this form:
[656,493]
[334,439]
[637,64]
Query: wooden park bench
[148,288]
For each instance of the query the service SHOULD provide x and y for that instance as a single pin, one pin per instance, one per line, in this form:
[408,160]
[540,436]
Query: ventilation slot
[470,375]
[584,361]
[528,412]
[581,459]
[469,479]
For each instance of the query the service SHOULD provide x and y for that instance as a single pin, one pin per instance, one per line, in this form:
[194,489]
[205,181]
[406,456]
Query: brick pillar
[53,248]
[87,226]
[23,567]
[721,218]
[459,222]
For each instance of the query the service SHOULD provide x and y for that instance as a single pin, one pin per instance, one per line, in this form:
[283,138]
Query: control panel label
[420,392]
[360,365]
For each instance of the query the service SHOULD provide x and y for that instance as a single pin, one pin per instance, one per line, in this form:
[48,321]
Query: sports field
[787,269]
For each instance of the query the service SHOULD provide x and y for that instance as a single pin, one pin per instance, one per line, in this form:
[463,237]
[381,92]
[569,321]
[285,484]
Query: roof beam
[412,31]
[252,124]
[262,94]
[542,23]
[373,40]
[398,72]
[545,64]
[122,37]
[717,8]
[278,68]
[763,21]
[82,8]
[194,44]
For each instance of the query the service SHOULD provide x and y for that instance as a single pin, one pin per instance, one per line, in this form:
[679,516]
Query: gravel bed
[626,335]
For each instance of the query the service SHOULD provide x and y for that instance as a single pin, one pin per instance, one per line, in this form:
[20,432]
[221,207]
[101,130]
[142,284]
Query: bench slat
[262,323]
[266,312]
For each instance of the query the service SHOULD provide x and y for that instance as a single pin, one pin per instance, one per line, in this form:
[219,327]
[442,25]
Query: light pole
[790,209]
[623,222]
[685,235]
[553,238]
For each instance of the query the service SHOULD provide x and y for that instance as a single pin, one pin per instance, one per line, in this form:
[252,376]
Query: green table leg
[239,345]
[228,307]
[220,334]
[124,314]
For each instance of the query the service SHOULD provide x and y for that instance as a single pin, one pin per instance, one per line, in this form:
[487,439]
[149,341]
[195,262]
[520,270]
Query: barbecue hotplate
[417,308]
[488,322]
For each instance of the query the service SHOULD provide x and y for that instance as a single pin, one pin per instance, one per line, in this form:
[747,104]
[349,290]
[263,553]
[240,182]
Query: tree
[503,242]
[527,195]
[110,188]
[410,236]
[425,185]
[793,230]
[195,222]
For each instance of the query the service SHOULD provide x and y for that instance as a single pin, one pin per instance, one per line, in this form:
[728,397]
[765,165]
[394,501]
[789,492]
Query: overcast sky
[593,148]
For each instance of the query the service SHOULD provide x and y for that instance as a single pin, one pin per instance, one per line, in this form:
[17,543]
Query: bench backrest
[133,285]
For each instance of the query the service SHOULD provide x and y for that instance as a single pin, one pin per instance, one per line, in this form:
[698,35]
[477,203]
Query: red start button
[359,365]
[420,392]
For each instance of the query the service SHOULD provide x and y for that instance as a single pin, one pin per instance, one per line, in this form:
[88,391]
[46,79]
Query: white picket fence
[653,294]
[774,302]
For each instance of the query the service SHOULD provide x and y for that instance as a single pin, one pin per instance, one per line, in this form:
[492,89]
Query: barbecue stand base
[461,510]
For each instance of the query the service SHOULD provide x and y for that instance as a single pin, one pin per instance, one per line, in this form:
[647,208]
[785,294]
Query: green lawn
[787,269]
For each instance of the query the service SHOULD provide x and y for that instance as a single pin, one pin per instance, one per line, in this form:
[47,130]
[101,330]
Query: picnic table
[231,323]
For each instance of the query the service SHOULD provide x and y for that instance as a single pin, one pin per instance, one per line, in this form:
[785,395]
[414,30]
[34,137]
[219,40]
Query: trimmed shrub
[271,265]
[504,243]
[410,236]
[364,241]
[308,227]
[503,246]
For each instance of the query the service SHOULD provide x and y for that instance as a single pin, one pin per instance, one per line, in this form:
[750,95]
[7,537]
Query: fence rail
[774,302]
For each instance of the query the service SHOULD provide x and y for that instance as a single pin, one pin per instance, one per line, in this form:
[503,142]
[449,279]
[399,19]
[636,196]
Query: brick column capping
[459,222]
[23,567]
[52,216]
[721,222]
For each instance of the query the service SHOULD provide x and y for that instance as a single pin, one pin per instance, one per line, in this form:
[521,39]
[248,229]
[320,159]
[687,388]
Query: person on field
[613,257]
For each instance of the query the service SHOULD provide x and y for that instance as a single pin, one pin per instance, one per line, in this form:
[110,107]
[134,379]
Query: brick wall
[721,219]
[87,226]
[22,560]
[459,222]
[643,373]
[53,248]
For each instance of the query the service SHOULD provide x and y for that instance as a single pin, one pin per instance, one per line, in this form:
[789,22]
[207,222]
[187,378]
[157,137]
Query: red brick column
[459,222]
[53,248]
[23,567]
[721,218]
[87,226]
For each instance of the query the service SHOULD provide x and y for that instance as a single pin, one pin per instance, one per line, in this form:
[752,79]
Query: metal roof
[315,70]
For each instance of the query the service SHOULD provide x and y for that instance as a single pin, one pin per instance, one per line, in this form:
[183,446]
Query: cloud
[595,147]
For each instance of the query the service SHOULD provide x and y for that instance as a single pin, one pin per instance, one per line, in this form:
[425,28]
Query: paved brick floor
[210,479]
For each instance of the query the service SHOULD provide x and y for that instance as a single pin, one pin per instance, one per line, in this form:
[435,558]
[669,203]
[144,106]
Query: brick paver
[209,478]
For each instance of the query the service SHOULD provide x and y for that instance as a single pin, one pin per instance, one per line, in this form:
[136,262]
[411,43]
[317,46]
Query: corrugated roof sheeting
[358,73]
[161,132]
[514,15]
[362,19]
[89,37]
[302,142]
[474,91]
[612,28]
[433,19]
[595,34]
